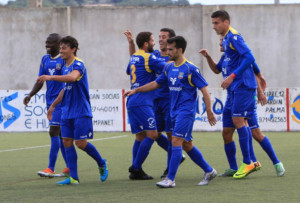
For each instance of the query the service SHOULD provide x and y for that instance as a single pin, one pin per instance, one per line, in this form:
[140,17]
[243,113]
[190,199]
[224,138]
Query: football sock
[267,146]
[251,149]
[135,149]
[63,152]
[91,150]
[169,152]
[162,141]
[244,144]
[142,153]
[55,144]
[198,158]
[230,150]
[174,162]
[72,161]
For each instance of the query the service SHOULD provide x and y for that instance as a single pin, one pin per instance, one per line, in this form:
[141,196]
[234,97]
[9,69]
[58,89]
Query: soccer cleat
[139,175]
[257,166]
[228,173]
[244,170]
[166,183]
[46,173]
[68,181]
[279,169]
[65,172]
[207,177]
[103,171]
[165,174]
[182,158]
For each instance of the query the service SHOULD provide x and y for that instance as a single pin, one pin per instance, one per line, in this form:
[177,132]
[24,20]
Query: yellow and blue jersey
[76,99]
[234,48]
[52,66]
[183,81]
[162,92]
[142,68]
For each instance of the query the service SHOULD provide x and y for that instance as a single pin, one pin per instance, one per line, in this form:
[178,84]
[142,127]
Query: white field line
[42,146]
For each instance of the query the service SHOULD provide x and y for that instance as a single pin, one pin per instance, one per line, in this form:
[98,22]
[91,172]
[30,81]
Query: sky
[214,2]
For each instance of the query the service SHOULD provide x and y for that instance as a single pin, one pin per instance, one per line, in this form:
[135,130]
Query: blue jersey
[52,66]
[183,81]
[235,47]
[76,99]
[162,92]
[142,68]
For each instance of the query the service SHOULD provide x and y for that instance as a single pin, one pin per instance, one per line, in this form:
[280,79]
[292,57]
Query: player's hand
[211,118]
[227,82]
[128,35]
[262,99]
[204,52]
[128,93]
[43,78]
[26,100]
[49,112]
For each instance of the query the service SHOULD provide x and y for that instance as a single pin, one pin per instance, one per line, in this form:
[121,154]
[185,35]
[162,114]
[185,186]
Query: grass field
[20,183]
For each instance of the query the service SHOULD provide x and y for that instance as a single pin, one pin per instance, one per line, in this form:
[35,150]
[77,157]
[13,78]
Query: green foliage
[150,2]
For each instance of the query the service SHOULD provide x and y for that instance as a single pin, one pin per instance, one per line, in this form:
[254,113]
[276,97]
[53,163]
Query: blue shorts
[56,116]
[243,102]
[227,116]
[77,128]
[141,118]
[183,127]
[163,119]
[253,121]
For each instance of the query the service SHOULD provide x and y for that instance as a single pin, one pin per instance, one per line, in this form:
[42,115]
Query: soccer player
[76,119]
[141,68]
[241,82]
[229,128]
[161,106]
[51,64]
[183,79]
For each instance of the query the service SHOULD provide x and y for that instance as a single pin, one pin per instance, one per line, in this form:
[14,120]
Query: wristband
[232,75]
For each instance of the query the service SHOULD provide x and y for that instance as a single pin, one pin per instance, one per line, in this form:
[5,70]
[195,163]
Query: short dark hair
[71,41]
[169,30]
[180,42]
[142,37]
[221,14]
[55,36]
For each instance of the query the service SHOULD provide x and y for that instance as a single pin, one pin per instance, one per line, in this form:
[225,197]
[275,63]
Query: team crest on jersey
[58,66]
[180,76]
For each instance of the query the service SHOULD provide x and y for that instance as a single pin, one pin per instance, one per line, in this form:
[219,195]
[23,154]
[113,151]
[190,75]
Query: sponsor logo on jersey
[51,71]
[173,80]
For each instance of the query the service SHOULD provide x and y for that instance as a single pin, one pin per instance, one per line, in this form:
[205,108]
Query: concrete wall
[270,31]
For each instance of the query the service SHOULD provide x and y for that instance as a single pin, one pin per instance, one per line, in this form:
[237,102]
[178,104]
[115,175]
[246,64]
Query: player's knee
[152,134]
[238,122]
[187,146]
[67,142]
[257,135]
[54,131]
[227,135]
[81,144]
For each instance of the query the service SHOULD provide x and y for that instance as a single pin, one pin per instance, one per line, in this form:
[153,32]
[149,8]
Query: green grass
[19,182]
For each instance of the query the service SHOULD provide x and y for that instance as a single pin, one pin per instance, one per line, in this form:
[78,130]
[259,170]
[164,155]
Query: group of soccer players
[170,108]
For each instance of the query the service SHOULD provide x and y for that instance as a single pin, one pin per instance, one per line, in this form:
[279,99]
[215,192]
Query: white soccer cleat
[208,177]
[166,183]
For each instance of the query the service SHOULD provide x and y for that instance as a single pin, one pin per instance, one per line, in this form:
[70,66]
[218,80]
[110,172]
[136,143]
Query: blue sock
[135,149]
[169,153]
[267,146]
[63,152]
[251,149]
[55,144]
[175,162]
[230,150]
[244,144]
[91,150]
[198,158]
[72,161]
[162,141]
[142,153]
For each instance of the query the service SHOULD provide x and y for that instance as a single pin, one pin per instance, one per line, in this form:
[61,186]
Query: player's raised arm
[210,115]
[212,64]
[130,39]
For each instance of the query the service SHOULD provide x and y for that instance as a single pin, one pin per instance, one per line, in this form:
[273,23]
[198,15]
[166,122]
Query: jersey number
[133,75]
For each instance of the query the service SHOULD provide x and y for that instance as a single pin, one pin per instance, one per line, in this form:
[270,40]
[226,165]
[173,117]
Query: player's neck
[179,60]
[54,54]
[70,60]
